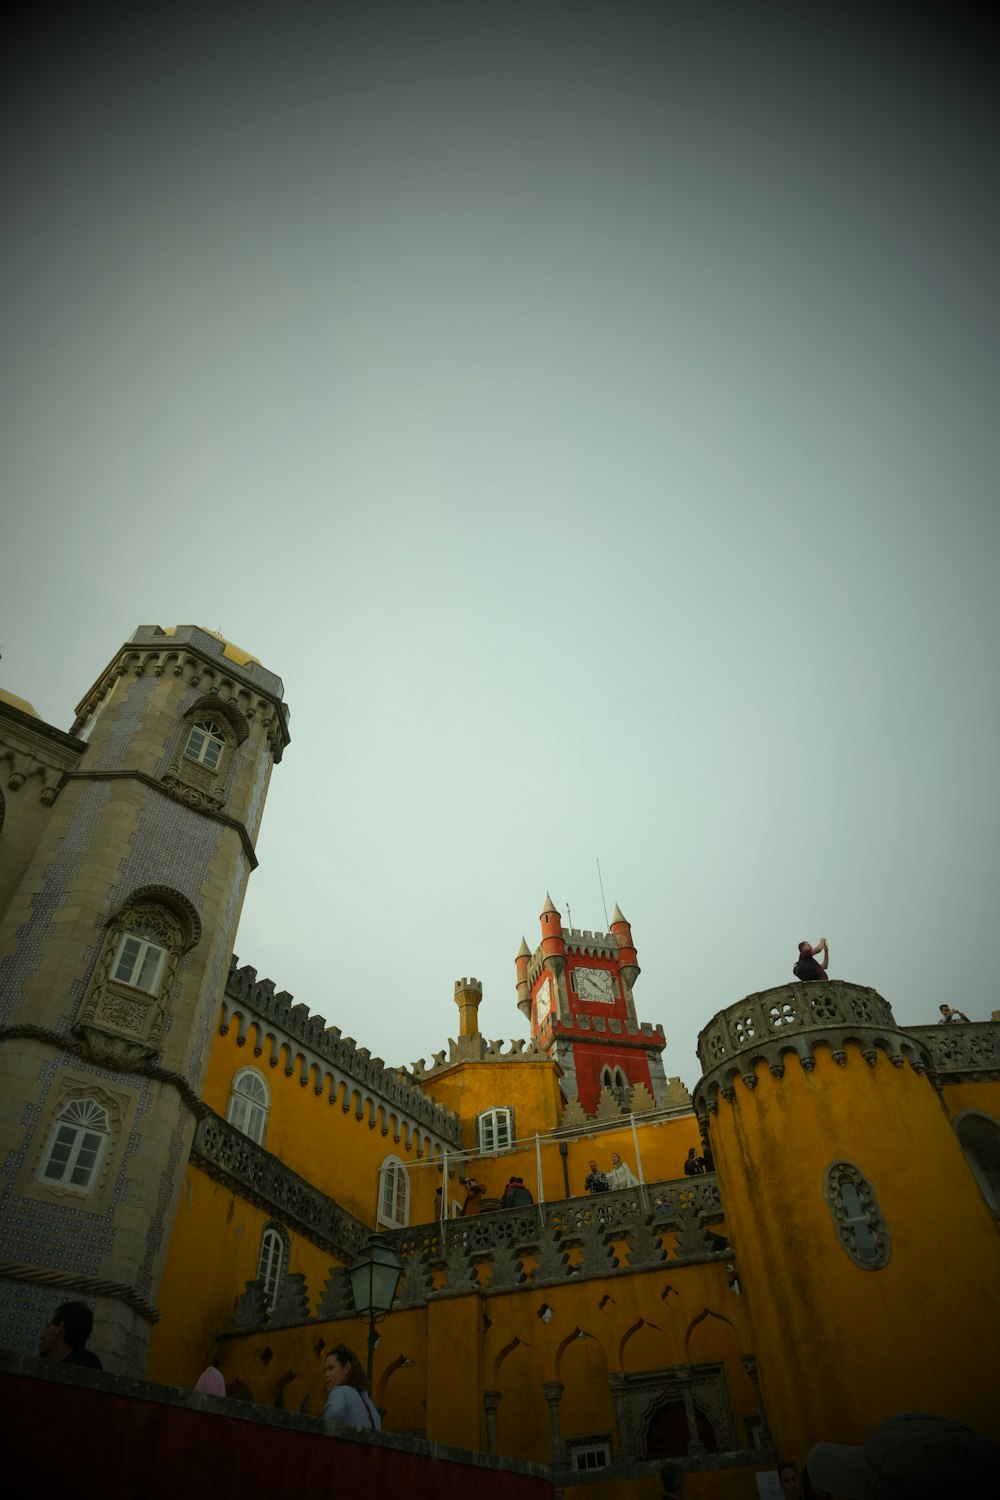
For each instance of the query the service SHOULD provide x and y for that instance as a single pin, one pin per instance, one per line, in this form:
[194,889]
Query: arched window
[76,1150]
[205,744]
[857,1218]
[393,1194]
[249,1104]
[274,1248]
[495,1129]
[979,1137]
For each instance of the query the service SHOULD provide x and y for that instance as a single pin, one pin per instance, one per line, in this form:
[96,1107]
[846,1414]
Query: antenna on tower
[603,900]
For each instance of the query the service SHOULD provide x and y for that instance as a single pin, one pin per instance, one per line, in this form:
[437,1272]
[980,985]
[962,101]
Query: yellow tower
[866,1253]
[115,944]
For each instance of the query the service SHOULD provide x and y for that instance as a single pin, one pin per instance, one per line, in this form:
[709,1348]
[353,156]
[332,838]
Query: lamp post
[374,1279]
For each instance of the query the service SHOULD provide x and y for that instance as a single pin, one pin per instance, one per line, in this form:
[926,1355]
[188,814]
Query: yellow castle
[204,1160]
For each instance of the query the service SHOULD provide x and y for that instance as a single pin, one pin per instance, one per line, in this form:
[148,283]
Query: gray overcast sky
[590,412]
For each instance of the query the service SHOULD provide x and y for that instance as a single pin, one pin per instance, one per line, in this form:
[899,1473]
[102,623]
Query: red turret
[553,947]
[628,961]
[523,989]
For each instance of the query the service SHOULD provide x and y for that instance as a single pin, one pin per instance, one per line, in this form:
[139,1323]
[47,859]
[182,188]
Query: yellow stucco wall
[813,1309]
[321,1141]
[214,1251]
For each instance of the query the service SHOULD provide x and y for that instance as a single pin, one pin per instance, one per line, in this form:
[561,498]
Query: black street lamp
[374,1279]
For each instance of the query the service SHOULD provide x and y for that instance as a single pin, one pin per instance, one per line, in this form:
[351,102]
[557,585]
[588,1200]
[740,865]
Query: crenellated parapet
[645,1033]
[203,661]
[479,1049]
[288,1034]
[582,943]
[789,1024]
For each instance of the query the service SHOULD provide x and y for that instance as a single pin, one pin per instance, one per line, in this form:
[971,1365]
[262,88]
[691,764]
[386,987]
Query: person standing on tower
[807,966]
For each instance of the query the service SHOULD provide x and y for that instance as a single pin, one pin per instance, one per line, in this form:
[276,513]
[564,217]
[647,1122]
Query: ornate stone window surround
[68,1105]
[857,1218]
[120,1022]
[393,1194]
[207,734]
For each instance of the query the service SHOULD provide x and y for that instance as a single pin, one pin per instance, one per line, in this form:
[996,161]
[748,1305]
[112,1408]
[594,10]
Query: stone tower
[130,850]
[866,1254]
[576,991]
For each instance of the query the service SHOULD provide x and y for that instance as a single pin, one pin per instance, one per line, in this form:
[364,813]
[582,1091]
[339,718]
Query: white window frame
[212,743]
[598,1451]
[146,950]
[491,1128]
[246,1113]
[82,1130]
[393,1194]
[272,1262]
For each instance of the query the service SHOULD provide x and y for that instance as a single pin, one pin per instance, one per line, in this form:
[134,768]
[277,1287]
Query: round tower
[844,1187]
[115,945]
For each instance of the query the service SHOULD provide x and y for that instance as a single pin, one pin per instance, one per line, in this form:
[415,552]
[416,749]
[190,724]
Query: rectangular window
[496,1132]
[139,963]
[591,1456]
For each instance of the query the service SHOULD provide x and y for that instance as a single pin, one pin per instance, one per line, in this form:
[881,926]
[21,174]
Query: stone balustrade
[229,1156]
[959,1050]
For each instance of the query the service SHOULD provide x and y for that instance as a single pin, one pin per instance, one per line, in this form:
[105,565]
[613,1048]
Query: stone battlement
[322,1053]
[478,1049]
[612,1025]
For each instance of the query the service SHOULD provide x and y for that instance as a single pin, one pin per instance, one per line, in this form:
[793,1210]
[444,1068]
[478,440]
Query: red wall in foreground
[68,1439]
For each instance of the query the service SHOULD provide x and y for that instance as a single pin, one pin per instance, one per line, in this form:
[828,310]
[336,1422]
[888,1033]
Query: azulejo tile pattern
[35,937]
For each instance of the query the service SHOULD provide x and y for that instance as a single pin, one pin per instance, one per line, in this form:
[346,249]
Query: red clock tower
[576,991]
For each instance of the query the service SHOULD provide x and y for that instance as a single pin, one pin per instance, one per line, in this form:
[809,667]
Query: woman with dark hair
[347,1401]
[788,1478]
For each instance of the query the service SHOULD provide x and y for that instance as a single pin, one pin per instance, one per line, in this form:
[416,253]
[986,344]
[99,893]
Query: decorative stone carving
[857,1217]
[292,1302]
[251,1307]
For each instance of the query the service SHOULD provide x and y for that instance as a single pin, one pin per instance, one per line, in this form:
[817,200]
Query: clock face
[595,984]
[543,1000]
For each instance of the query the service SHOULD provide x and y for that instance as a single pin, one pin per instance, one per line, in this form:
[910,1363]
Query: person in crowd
[692,1167]
[473,1193]
[672,1479]
[807,966]
[948,1015]
[595,1181]
[347,1399]
[516,1195]
[788,1478]
[65,1336]
[916,1455]
[621,1175]
[211,1382]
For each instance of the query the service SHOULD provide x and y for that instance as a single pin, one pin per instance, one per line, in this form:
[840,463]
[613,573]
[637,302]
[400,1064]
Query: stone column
[553,1390]
[695,1447]
[623,1413]
[749,1364]
[491,1400]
